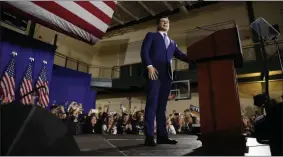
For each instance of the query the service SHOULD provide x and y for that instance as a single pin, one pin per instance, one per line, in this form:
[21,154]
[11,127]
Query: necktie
[166,40]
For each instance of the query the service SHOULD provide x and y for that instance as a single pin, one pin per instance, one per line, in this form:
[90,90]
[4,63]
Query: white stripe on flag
[103,7]
[13,83]
[83,14]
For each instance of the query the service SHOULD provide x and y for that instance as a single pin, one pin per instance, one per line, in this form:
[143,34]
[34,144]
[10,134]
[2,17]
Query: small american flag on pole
[43,92]
[7,83]
[26,85]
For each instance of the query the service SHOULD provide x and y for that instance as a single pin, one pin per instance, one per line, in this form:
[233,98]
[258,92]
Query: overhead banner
[194,108]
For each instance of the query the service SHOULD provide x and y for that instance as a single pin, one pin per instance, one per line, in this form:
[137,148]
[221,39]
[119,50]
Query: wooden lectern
[220,115]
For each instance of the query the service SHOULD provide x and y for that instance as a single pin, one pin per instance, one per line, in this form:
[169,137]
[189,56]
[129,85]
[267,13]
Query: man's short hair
[158,20]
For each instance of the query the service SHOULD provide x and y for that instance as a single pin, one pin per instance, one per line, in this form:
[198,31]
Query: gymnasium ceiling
[129,13]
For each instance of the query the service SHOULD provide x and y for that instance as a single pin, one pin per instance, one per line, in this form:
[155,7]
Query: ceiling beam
[189,3]
[146,8]
[168,5]
[164,13]
[181,2]
[183,8]
[127,11]
[117,20]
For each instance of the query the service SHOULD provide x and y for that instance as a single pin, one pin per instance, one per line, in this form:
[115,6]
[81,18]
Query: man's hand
[152,73]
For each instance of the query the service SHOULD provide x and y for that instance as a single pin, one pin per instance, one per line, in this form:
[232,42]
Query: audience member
[53,109]
[187,126]
[248,128]
[139,125]
[110,126]
[93,125]
[170,128]
[124,125]
[176,121]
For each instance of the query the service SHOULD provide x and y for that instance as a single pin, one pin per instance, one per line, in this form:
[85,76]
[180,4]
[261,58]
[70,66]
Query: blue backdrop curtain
[25,47]
[70,85]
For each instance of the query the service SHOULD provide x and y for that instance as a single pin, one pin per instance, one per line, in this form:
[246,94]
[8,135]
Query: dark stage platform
[132,145]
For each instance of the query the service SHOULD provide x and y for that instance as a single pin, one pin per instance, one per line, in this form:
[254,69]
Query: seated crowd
[101,121]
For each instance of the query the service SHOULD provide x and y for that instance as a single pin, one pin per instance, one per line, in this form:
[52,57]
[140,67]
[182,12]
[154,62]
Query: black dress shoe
[166,140]
[149,141]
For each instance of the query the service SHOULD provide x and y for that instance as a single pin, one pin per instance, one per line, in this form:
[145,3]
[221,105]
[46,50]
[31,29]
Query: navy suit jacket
[154,52]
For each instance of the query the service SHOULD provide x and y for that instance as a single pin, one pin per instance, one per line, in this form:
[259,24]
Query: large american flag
[43,97]
[26,85]
[83,20]
[7,83]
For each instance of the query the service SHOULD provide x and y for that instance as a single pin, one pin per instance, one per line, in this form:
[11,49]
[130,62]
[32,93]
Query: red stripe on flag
[60,11]
[111,4]
[4,90]
[46,24]
[94,11]
[9,84]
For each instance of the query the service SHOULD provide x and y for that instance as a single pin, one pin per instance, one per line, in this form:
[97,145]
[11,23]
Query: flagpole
[34,93]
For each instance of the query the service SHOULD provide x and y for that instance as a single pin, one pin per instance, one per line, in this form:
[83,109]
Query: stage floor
[132,145]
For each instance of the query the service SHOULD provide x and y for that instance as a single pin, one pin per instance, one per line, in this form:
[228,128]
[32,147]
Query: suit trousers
[157,97]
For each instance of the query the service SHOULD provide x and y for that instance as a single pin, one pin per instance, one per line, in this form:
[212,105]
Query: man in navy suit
[156,54]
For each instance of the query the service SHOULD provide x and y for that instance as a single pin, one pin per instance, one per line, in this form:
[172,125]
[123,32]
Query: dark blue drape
[25,47]
[70,85]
